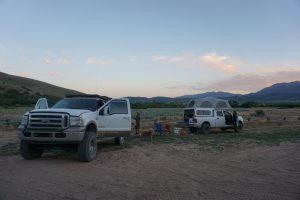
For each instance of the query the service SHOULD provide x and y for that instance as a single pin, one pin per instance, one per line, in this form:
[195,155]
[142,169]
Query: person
[137,123]
[234,118]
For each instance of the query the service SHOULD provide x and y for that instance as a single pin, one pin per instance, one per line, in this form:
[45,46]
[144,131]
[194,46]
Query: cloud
[100,61]
[24,74]
[53,73]
[168,59]
[219,62]
[133,59]
[47,61]
[243,83]
[62,61]
[206,61]
[59,61]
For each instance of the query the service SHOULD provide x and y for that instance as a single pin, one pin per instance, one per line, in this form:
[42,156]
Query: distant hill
[155,99]
[209,94]
[281,88]
[279,92]
[16,90]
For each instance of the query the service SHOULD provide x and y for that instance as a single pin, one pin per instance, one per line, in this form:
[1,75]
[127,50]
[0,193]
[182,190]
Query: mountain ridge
[20,90]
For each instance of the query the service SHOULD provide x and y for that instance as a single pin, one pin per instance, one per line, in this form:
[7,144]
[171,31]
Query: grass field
[268,126]
[272,134]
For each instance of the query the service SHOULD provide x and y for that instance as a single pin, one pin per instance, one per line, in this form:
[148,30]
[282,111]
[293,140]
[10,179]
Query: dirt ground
[157,171]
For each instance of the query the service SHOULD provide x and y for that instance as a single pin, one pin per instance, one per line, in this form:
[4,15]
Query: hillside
[15,90]
[279,92]
[281,88]
[208,94]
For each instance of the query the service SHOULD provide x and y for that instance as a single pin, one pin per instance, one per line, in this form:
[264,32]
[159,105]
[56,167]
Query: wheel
[205,128]
[193,129]
[87,149]
[224,129]
[30,151]
[238,128]
[119,140]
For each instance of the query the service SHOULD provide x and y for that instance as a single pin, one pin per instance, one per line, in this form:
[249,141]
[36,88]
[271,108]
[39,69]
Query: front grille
[56,121]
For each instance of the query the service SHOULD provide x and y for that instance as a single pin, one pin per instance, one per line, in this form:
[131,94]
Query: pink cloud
[207,61]
[53,73]
[243,83]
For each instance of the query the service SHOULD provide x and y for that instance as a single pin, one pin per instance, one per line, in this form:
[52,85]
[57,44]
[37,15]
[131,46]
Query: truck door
[219,119]
[42,103]
[115,118]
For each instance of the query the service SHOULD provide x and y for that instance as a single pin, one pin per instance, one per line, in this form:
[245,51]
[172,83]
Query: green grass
[221,141]
[213,142]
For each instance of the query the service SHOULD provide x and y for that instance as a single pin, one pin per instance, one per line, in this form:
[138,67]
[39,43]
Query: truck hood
[72,112]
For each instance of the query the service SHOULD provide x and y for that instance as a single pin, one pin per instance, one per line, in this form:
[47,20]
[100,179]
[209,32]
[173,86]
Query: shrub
[259,113]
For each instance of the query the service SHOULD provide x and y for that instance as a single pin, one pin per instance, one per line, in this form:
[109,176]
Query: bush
[259,113]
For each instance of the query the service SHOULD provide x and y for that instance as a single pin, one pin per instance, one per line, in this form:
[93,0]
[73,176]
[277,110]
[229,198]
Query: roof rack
[105,98]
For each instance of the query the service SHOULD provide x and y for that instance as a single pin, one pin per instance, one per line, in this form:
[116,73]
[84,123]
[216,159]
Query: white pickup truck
[203,119]
[82,120]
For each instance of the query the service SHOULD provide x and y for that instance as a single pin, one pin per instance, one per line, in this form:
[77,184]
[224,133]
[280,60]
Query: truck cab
[82,120]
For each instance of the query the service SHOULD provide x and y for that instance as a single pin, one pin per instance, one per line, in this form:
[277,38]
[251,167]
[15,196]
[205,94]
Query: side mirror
[106,110]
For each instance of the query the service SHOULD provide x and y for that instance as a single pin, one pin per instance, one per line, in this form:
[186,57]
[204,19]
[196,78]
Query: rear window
[203,112]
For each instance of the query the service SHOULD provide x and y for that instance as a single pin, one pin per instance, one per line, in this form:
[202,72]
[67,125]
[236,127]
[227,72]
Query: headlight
[24,120]
[76,121]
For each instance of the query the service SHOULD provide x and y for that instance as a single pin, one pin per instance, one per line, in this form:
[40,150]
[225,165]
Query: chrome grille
[48,121]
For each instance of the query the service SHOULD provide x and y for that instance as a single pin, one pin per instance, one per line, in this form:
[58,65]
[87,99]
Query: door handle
[218,118]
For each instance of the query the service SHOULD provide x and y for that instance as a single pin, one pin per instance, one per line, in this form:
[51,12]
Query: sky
[152,47]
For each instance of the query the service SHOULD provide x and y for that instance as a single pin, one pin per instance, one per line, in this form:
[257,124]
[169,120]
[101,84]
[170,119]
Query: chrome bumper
[72,134]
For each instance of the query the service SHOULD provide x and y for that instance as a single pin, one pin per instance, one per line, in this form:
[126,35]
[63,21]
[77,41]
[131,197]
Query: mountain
[209,94]
[16,90]
[154,99]
[281,88]
[279,92]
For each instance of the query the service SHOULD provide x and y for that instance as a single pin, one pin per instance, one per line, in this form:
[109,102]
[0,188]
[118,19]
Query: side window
[203,112]
[100,103]
[220,113]
[118,107]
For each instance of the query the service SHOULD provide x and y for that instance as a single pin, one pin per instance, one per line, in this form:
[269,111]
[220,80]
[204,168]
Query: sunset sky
[152,47]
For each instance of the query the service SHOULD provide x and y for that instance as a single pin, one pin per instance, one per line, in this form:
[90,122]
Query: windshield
[77,103]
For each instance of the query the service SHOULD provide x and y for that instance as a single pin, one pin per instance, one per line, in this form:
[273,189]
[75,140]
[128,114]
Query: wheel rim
[206,129]
[92,147]
[121,140]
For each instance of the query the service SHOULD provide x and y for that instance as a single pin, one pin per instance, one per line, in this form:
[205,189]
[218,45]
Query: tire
[205,128]
[238,128]
[193,129]
[223,129]
[87,149]
[119,141]
[30,151]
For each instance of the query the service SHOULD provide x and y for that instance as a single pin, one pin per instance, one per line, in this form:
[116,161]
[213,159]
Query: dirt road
[157,171]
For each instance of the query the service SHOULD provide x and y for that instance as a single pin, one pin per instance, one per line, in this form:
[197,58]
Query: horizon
[150,49]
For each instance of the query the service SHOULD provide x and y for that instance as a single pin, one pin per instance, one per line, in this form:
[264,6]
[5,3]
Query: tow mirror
[106,110]
[42,103]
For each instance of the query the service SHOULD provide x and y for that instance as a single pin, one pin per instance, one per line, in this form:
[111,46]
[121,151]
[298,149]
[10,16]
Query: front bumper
[72,134]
